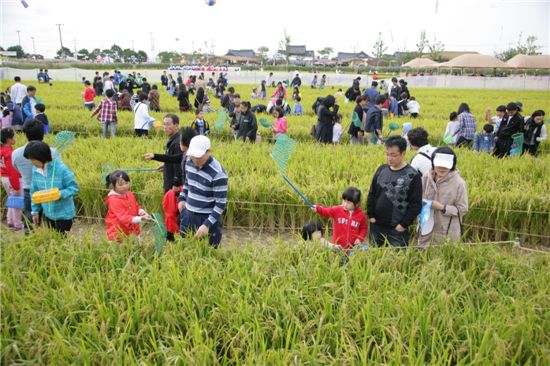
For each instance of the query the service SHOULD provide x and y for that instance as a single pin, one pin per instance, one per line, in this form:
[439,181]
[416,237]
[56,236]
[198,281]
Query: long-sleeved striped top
[466,126]
[205,190]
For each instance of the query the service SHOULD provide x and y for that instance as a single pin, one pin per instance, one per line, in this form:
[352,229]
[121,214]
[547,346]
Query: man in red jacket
[349,221]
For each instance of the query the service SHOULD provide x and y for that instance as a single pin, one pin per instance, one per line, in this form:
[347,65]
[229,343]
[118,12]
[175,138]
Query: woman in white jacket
[142,119]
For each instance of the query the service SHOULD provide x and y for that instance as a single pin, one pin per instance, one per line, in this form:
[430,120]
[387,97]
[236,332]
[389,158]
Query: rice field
[82,300]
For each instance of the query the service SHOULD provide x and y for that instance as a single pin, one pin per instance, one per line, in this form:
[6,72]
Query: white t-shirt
[142,116]
[18,91]
[413,106]
[496,121]
[452,126]
[336,132]
[421,162]
[109,84]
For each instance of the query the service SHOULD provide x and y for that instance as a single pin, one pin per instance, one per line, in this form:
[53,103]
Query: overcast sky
[485,26]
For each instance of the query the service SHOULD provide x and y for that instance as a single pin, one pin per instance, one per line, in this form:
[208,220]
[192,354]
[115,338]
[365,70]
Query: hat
[444,160]
[512,107]
[198,146]
[520,105]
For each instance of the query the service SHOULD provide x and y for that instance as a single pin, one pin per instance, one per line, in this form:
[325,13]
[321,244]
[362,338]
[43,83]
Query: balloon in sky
[210,2]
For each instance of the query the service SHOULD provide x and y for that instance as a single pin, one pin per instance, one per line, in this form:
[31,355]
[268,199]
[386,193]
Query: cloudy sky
[485,26]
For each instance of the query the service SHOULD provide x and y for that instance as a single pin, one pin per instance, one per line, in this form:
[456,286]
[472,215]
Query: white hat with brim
[444,160]
[198,146]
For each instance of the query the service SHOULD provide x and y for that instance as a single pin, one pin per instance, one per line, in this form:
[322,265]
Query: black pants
[463,141]
[141,132]
[381,235]
[61,226]
[531,149]
[502,147]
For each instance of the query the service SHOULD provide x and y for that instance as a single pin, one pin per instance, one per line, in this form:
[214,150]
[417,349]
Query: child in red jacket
[124,214]
[349,221]
[11,179]
[171,212]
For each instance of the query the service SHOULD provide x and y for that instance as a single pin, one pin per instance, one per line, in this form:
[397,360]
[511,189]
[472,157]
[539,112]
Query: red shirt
[121,210]
[7,169]
[347,227]
[89,95]
[171,212]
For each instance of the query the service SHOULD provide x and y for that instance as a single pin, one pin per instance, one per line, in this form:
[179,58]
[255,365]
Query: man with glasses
[395,197]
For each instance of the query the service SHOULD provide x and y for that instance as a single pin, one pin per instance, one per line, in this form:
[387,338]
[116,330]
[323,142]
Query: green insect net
[222,118]
[63,140]
[159,232]
[284,146]
[355,120]
[264,123]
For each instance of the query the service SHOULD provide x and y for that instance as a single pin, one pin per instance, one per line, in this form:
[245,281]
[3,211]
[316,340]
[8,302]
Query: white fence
[254,77]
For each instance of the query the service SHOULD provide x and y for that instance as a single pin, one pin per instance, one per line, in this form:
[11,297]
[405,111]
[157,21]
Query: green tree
[327,51]
[64,52]
[422,44]
[83,54]
[527,48]
[435,49]
[19,53]
[167,56]
[141,56]
[96,52]
[116,53]
[284,47]
[379,48]
[263,50]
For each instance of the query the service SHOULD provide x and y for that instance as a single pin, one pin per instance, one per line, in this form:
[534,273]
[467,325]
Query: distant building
[241,57]
[346,56]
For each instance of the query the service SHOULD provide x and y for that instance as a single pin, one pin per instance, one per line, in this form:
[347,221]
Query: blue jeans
[105,125]
[190,222]
[381,235]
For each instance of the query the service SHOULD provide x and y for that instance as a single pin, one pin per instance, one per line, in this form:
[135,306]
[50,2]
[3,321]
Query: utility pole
[60,39]
[152,42]
[33,48]
[75,53]
[133,45]
[19,37]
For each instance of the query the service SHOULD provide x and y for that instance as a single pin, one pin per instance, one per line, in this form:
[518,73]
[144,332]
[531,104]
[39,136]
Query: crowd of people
[195,184]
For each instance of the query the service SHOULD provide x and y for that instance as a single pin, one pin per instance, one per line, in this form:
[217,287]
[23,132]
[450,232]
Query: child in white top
[413,107]
[337,130]
[453,124]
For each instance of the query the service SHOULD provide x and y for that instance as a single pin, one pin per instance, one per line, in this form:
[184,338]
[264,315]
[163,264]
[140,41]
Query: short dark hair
[352,194]
[112,178]
[87,82]
[142,96]
[231,89]
[30,88]
[40,107]
[7,133]
[453,116]
[38,150]
[279,102]
[374,84]
[186,134]
[298,99]
[197,111]
[236,95]
[398,141]
[17,79]
[280,111]
[488,128]
[247,105]
[174,118]
[33,130]
[501,108]
[444,150]
[154,87]
[380,99]
[109,93]
[144,79]
[418,137]
[309,228]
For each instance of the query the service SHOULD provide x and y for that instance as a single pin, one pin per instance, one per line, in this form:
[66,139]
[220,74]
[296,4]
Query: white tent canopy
[475,61]
[419,63]
[530,62]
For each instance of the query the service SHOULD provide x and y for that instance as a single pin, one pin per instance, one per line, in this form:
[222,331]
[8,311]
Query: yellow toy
[47,195]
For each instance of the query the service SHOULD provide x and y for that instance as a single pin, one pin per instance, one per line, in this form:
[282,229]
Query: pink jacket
[280,125]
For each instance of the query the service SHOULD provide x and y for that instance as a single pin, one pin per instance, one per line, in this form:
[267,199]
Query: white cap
[198,147]
[444,160]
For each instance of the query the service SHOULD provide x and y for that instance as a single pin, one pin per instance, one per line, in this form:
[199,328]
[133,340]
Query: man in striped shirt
[204,194]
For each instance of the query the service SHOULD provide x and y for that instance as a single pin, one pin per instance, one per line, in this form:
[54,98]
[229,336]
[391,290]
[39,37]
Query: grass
[85,301]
